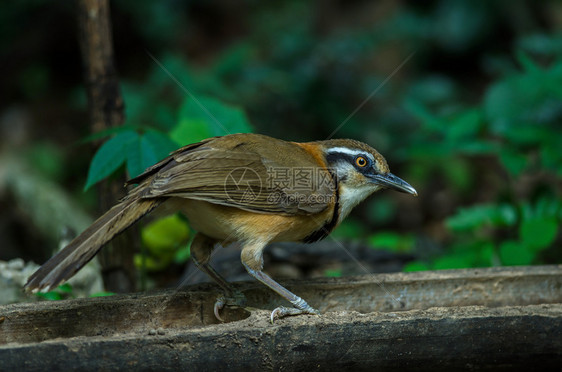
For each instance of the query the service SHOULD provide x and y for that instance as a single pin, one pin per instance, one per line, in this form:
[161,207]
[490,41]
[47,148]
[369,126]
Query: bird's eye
[361,161]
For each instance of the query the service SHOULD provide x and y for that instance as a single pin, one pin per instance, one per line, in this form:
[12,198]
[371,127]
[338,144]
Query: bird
[247,188]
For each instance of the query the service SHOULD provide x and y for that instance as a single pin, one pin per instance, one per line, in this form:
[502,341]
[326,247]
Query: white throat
[350,197]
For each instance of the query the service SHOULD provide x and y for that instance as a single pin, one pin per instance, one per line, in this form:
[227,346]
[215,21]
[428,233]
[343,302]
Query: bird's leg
[252,260]
[201,249]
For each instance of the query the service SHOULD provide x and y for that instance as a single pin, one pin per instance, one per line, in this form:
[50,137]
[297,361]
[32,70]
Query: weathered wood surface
[480,319]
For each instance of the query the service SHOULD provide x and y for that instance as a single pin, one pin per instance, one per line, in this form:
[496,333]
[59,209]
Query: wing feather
[238,176]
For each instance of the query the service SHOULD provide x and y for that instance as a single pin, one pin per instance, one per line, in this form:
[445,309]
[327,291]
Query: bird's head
[360,171]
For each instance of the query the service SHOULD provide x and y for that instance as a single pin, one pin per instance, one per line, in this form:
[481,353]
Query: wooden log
[476,319]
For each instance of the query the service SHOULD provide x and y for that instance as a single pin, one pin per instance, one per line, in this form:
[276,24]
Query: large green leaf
[190,131]
[140,156]
[205,117]
[139,152]
[147,150]
[161,143]
[110,156]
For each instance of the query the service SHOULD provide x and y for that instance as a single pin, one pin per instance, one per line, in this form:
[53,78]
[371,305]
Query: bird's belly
[232,224]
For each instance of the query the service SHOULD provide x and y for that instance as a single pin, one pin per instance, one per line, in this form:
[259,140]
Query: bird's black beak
[390,181]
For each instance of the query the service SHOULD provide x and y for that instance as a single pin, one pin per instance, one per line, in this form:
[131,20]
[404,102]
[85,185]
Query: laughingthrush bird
[245,188]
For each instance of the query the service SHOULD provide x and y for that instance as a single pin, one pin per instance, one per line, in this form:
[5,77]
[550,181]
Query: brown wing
[168,161]
[227,172]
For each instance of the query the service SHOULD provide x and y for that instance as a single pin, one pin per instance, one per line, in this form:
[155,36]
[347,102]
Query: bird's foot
[283,311]
[234,299]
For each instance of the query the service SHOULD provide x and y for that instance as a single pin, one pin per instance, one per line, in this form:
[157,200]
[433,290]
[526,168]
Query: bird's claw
[219,305]
[236,299]
[283,311]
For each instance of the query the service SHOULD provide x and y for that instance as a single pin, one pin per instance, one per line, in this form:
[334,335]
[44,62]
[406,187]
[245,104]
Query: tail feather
[84,247]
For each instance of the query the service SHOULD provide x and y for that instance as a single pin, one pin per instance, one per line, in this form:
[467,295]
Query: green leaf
[141,154]
[190,131]
[183,254]
[515,253]
[207,117]
[162,144]
[538,233]
[109,157]
[65,288]
[102,294]
[149,149]
[165,234]
[51,296]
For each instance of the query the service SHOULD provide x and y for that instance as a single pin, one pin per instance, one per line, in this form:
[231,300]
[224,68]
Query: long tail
[84,247]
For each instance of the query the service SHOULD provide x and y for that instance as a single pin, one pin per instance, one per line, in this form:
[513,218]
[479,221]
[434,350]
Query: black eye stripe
[335,157]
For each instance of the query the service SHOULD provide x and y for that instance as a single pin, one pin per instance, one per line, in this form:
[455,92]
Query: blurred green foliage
[427,123]
[166,240]
[401,243]
[517,125]
[472,120]
[529,229]
[65,291]
[333,273]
